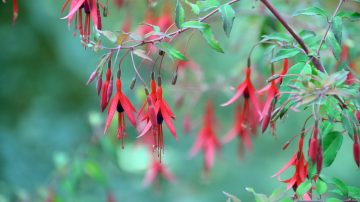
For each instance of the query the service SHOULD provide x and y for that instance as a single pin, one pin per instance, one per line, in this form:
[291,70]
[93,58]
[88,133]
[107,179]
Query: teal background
[50,122]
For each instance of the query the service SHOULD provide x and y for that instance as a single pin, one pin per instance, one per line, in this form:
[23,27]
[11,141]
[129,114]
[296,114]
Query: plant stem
[172,34]
[298,39]
[330,23]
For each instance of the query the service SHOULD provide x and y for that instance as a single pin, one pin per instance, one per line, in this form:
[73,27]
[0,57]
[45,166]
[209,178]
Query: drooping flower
[273,94]
[156,170]
[278,80]
[313,146]
[91,10]
[301,167]
[241,126]
[122,105]
[163,114]
[206,139]
[246,89]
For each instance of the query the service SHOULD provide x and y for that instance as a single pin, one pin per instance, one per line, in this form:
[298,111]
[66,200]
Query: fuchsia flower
[240,127]
[91,9]
[15,10]
[121,104]
[246,89]
[156,170]
[165,20]
[246,118]
[278,80]
[163,113]
[301,168]
[206,139]
[273,94]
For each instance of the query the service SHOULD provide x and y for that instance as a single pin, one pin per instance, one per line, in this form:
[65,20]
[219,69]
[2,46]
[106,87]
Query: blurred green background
[50,125]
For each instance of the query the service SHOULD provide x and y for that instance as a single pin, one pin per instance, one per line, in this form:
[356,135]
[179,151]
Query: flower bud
[313,149]
[110,89]
[92,77]
[319,159]
[99,84]
[133,82]
[356,150]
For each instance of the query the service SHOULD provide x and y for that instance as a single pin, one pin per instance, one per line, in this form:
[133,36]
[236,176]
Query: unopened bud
[174,79]
[286,145]
[146,91]
[356,150]
[272,78]
[313,149]
[92,77]
[133,82]
[105,11]
[319,160]
[99,84]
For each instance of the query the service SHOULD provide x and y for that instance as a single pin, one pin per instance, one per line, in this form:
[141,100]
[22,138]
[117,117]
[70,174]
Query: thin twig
[330,23]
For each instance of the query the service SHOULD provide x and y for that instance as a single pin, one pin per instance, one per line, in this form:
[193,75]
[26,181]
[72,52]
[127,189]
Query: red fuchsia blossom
[246,89]
[163,113]
[91,10]
[356,150]
[278,80]
[241,126]
[206,139]
[122,105]
[301,168]
[156,170]
[273,94]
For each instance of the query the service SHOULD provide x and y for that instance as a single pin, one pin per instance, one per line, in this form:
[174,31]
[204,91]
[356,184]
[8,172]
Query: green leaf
[231,197]
[110,35]
[321,187]
[228,16]
[286,200]
[333,200]
[285,53]
[336,28]
[179,14]
[210,39]
[303,188]
[352,16]
[333,44]
[277,37]
[311,11]
[194,8]
[171,51]
[331,145]
[207,4]
[258,197]
[354,192]
[195,25]
[341,186]
[277,194]
[94,171]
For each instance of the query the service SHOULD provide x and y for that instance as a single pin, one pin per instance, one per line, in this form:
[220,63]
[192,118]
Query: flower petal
[240,90]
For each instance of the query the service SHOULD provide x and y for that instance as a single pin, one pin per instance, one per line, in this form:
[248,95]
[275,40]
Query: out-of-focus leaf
[321,187]
[179,14]
[277,37]
[94,171]
[285,53]
[111,36]
[303,187]
[194,7]
[171,51]
[210,39]
[207,4]
[311,11]
[333,44]
[333,200]
[258,197]
[195,25]
[276,195]
[352,16]
[341,186]
[336,28]
[228,16]
[354,192]
[231,197]
[331,145]
[141,53]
